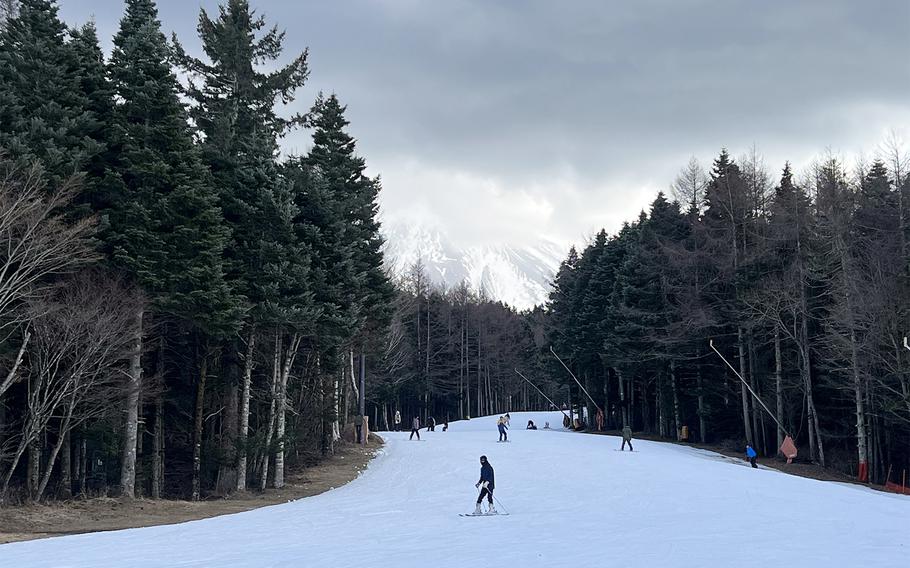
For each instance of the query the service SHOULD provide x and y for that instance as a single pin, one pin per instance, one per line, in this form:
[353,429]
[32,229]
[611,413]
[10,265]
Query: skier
[531,425]
[415,429]
[431,424]
[508,420]
[486,480]
[502,425]
[445,425]
[751,455]
[397,421]
[626,438]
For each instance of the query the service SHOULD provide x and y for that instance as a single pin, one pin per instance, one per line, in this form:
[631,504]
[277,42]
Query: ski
[483,515]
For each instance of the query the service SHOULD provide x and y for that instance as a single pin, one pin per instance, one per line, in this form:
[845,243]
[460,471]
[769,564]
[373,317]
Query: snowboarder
[397,421]
[445,425]
[751,455]
[487,484]
[415,429]
[626,438]
[531,425]
[501,424]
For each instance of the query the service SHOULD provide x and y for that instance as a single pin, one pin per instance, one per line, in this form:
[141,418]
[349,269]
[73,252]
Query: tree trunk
[747,423]
[52,459]
[281,404]
[778,388]
[244,418]
[66,467]
[677,422]
[158,447]
[198,423]
[34,468]
[131,424]
[273,401]
[702,409]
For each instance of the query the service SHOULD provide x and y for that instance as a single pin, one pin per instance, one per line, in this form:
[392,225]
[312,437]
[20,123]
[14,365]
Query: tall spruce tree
[166,229]
[235,108]
[44,113]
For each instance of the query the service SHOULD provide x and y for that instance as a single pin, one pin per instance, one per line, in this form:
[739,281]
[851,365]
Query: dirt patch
[105,514]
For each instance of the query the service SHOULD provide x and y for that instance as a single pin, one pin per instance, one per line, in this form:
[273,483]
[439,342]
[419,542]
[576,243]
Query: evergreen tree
[333,159]
[44,113]
[166,229]
[266,263]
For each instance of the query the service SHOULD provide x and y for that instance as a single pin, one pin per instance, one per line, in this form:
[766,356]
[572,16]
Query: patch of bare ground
[105,514]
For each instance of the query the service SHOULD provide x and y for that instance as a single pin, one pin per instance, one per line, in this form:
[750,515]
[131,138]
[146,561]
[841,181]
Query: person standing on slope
[503,426]
[487,484]
[751,455]
[415,429]
[397,421]
[626,438]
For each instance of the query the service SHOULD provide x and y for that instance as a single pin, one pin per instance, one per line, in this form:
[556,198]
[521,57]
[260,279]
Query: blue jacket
[750,453]
[486,474]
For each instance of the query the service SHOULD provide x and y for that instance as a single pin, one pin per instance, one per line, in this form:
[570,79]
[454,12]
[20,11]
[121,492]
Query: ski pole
[501,506]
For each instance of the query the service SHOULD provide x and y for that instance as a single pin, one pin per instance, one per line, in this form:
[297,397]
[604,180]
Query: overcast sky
[513,120]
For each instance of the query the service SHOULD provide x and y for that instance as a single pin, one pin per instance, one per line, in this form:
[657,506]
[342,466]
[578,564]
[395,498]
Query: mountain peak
[519,276]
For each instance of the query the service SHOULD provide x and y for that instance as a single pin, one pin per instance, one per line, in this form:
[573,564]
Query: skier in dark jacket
[750,453]
[487,484]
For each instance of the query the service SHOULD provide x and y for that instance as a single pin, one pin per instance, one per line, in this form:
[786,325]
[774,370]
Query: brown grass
[104,514]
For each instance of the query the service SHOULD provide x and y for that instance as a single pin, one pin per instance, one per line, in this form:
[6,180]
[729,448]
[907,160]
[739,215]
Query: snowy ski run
[572,502]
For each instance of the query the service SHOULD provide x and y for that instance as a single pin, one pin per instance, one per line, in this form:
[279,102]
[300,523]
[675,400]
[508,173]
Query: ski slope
[573,501]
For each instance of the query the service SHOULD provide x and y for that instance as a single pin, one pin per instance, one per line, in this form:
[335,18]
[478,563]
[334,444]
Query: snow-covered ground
[573,501]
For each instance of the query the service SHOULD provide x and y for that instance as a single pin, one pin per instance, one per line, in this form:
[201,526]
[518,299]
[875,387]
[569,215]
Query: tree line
[799,282]
[181,305]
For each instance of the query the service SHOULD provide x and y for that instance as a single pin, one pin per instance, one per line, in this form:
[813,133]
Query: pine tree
[43,111]
[166,228]
[235,108]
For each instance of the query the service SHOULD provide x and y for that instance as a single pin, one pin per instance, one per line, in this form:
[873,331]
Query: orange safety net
[788,449]
[895,488]
[863,473]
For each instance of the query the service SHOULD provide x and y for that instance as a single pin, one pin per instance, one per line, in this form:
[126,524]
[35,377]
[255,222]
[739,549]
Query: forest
[181,302]
[187,310]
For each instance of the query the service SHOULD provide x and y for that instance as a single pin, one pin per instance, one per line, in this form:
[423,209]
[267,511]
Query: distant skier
[415,429]
[531,425]
[501,424]
[445,425]
[397,421]
[486,481]
[626,438]
[431,424]
[751,455]
[508,420]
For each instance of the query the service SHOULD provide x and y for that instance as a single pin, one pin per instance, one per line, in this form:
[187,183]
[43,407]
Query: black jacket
[486,474]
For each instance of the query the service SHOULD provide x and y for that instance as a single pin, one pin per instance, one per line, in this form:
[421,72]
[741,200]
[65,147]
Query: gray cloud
[507,119]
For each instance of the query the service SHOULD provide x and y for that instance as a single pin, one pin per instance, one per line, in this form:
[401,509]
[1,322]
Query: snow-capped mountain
[518,276]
